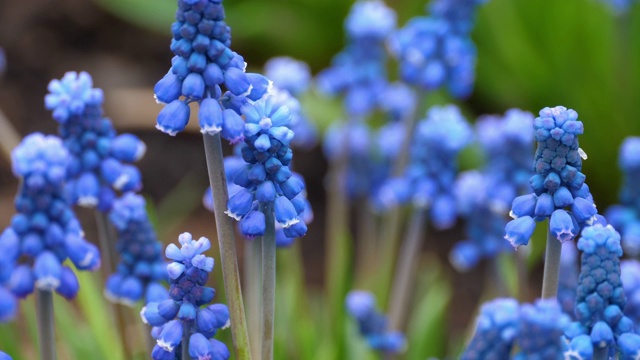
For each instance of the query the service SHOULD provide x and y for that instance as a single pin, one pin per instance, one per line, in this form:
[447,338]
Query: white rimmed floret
[232,215]
[166,131]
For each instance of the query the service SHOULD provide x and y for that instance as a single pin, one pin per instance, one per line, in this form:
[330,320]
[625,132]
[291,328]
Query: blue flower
[600,299]
[266,178]
[497,328]
[361,305]
[142,267]
[459,13]
[186,308]
[558,182]
[100,160]
[541,328]
[45,231]
[288,74]
[432,55]
[359,71]
[4,356]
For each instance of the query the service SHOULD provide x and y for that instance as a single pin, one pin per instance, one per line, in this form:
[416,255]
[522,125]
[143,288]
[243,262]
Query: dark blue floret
[540,333]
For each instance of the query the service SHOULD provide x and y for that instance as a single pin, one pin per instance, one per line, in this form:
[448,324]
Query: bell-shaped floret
[173,118]
[519,231]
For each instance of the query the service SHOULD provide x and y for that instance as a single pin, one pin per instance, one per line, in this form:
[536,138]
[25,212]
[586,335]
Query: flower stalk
[46,329]
[551,267]
[268,284]
[226,241]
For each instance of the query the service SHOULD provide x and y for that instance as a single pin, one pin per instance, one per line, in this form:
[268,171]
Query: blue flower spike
[497,327]
[372,325]
[142,269]
[45,231]
[542,325]
[100,159]
[559,189]
[187,307]
[600,300]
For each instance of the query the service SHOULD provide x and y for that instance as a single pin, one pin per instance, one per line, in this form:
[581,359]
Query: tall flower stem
[391,226]
[46,330]
[253,286]
[551,267]
[268,284]
[185,342]
[406,268]
[367,241]
[226,242]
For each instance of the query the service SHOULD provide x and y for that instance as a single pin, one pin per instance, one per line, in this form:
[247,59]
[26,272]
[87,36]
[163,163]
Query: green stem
[268,284]
[46,330]
[226,242]
[406,266]
[185,342]
[253,285]
[107,243]
[551,267]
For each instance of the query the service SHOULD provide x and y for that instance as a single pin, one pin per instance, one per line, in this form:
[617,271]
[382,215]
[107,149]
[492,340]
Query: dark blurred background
[532,54]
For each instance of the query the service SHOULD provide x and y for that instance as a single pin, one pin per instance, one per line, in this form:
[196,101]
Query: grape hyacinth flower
[625,217]
[186,315]
[507,142]
[630,277]
[266,179]
[558,183]
[372,325]
[432,166]
[235,163]
[203,64]
[306,132]
[497,328]
[288,74]
[359,71]
[483,227]
[142,268]
[600,299]
[100,160]
[45,231]
[542,325]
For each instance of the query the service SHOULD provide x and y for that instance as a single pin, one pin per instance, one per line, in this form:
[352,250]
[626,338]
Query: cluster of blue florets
[266,180]
[537,330]
[557,184]
[44,232]
[100,160]
[625,217]
[600,299]
[361,305]
[359,71]
[432,168]
[142,268]
[184,311]
[483,196]
[234,163]
[202,65]
[496,330]
[437,50]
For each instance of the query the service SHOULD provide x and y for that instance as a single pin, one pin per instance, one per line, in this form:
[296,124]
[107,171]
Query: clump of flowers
[432,167]
[267,181]
[558,183]
[361,305]
[186,315]
[44,232]
[100,161]
[540,332]
[600,299]
[142,269]
[625,217]
[496,329]
[202,65]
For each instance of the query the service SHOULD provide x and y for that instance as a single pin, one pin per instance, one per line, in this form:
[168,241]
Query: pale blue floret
[288,74]
[44,232]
